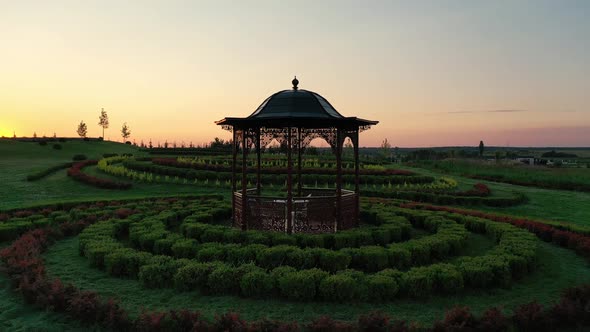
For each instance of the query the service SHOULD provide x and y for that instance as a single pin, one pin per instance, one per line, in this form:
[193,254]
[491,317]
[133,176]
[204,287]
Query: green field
[21,159]
[557,267]
[564,178]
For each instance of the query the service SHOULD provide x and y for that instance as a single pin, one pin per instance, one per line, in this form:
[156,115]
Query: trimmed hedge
[23,264]
[305,274]
[43,173]
[76,173]
[279,178]
[448,198]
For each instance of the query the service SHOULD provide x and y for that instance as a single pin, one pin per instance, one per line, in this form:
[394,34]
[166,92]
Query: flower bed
[76,173]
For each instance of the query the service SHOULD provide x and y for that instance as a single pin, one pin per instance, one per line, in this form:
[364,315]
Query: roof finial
[295,81]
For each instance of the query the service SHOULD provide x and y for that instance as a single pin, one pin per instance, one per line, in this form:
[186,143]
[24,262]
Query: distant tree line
[555,154]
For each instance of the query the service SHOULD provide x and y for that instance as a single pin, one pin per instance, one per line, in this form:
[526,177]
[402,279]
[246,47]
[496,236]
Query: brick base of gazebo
[313,212]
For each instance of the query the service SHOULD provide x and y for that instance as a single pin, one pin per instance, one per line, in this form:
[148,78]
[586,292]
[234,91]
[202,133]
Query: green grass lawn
[20,159]
[544,204]
[539,176]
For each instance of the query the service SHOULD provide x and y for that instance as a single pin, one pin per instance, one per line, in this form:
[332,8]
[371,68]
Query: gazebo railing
[312,212]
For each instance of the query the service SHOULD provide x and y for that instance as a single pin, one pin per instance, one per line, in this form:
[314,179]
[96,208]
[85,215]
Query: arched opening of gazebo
[294,118]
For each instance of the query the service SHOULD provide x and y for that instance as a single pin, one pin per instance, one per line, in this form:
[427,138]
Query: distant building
[529,160]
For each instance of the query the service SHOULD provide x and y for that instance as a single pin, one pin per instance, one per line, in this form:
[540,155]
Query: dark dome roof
[296,104]
[296,107]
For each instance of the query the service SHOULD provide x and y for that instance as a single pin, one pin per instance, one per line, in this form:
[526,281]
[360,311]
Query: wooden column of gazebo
[294,118]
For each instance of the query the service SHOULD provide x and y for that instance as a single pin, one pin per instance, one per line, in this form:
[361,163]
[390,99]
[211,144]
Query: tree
[311,150]
[103,121]
[125,131]
[82,129]
[481,148]
[150,144]
[385,149]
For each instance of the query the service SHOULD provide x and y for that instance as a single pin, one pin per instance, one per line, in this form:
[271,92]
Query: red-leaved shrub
[458,319]
[531,317]
[373,321]
[328,324]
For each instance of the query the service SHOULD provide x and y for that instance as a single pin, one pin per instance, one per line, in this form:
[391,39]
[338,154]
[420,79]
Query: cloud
[459,112]
[505,111]
[498,111]
[487,111]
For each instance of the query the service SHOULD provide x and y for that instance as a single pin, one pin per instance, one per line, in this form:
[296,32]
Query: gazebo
[294,118]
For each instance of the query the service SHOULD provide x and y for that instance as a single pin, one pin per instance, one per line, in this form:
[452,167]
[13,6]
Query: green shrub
[10,231]
[247,268]
[301,285]
[447,279]
[185,248]
[518,266]
[382,236]
[392,273]
[210,252]
[381,288]
[420,253]
[395,232]
[148,240]
[256,284]
[344,240]
[239,255]
[232,235]
[333,261]
[193,276]
[298,258]
[374,258]
[273,256]
[418,282]
[159,273]
[399,257]
[283,239]
[164,246]
[476,273]
[212,234]
[193,231]
[364,238]
[279,272]
[256,237]
[339,288]
[501,270]
[125,262]
[222,280]
[439,247]
[310,241]
[96,251]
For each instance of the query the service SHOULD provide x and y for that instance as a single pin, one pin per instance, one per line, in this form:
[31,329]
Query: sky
[433,73]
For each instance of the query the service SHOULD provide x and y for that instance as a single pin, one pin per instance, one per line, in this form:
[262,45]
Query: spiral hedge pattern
[187,246]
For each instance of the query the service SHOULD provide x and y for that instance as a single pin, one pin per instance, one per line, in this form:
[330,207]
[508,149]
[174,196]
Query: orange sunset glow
[444,74]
